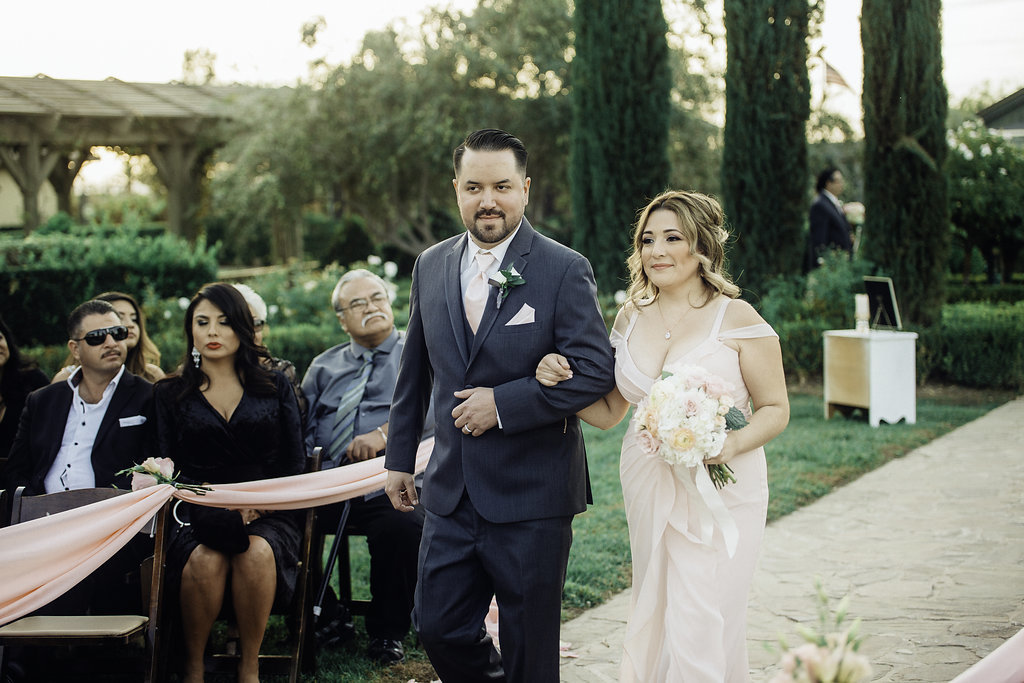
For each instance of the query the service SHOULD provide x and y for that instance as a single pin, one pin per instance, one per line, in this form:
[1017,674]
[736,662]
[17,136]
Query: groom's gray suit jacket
[534,466]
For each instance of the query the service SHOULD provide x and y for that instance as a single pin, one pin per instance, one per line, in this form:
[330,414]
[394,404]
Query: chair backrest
[25,508]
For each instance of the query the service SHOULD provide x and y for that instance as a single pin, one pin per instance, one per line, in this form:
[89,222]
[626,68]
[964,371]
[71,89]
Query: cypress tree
[618,157]
[906,229]
[764,163]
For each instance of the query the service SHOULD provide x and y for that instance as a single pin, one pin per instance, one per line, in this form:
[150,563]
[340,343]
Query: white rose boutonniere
[504,280]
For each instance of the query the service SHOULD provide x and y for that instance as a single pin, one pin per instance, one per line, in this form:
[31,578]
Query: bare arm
[761,367]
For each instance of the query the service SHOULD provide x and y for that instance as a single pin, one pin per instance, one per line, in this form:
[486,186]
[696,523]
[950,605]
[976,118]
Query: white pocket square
[133,421]
[523,317]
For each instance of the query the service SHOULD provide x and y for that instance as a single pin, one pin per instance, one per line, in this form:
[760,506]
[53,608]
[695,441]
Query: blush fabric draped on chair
[44,558]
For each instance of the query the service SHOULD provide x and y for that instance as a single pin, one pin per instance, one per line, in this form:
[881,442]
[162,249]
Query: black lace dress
[263,439]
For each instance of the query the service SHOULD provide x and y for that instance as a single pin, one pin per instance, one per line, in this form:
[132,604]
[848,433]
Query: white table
[873,370]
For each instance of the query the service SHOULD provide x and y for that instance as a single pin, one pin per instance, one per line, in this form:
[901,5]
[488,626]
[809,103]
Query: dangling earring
[196,358]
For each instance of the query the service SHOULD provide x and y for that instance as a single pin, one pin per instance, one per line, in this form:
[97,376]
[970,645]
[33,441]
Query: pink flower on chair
[142,481]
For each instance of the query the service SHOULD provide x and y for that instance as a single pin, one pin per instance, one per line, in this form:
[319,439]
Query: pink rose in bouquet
[685,417]
[648,443]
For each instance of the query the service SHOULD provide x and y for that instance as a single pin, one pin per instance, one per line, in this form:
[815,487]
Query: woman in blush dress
[689,598]
[224,419]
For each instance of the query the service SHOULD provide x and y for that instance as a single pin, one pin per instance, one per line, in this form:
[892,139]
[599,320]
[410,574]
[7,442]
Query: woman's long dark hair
[11,381]
[145,350]
[254,377]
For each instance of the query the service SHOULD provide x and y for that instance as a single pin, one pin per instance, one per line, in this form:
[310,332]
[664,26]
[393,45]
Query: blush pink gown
[687,619]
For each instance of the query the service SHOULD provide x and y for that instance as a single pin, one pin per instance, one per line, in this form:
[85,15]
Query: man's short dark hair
[824,177]
[92,307]
[492,140]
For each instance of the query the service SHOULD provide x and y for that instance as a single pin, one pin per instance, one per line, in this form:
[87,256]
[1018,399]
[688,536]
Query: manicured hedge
[961,293]
[44,277]
[977,345]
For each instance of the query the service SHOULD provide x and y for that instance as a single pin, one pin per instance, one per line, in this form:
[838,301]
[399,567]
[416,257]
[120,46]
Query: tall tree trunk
[764,163]
[619,138]
[907,223]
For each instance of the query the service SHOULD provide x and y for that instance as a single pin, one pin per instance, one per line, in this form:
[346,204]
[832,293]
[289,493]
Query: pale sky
[258,41]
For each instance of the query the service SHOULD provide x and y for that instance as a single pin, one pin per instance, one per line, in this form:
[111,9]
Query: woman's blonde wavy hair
[701,222]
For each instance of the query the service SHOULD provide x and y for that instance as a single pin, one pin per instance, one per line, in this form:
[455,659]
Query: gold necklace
[668,329]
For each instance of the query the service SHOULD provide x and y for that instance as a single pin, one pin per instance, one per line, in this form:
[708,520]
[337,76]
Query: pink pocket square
[523,317]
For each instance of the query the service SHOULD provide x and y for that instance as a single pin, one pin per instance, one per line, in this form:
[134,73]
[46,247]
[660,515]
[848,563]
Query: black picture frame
[882,306]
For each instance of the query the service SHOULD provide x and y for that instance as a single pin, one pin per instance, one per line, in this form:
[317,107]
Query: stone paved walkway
[930,547]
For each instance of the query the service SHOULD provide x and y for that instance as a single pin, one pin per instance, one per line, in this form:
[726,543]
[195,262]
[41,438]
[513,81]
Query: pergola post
[179,165]
[29,164]
[63,175]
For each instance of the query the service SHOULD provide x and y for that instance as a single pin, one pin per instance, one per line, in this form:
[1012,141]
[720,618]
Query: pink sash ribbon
[42,559]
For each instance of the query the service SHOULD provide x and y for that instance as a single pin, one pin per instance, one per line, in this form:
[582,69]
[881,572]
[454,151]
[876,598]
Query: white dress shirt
[72,468]
[469,269]
[469,257]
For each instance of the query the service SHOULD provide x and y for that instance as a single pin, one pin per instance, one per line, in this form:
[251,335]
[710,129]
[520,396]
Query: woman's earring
[196,358]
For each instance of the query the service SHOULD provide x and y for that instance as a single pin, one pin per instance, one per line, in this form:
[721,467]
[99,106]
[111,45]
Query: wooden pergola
[48,126]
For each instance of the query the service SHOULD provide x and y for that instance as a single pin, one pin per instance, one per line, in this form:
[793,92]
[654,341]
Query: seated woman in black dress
[225,419]
[18,377]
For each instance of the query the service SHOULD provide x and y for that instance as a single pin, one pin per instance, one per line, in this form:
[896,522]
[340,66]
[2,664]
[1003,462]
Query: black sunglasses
[97,337]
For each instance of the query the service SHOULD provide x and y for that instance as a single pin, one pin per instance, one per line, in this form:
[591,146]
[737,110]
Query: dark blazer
[534,466]
[42,427]
[829,230]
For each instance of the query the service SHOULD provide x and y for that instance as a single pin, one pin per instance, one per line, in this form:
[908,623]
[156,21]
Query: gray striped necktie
[345,417]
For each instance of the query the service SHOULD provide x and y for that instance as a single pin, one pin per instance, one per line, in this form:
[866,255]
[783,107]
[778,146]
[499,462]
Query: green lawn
[809,459]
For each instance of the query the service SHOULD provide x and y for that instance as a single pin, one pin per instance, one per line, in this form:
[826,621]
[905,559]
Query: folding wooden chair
[75,630]
[301,657]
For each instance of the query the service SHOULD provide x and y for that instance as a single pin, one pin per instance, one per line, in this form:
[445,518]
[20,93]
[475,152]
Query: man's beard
[495,233]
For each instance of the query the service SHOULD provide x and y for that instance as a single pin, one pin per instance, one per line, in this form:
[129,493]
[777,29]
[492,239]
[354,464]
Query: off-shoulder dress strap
[624,336]
[719,317]
[747,332]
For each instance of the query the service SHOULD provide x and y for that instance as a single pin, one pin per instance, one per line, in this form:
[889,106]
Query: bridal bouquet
[829,654]
[155,471]
[685,417]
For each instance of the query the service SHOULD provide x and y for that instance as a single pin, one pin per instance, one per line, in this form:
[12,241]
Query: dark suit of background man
[830,228]
[508,471]
[78,433]
[363,306]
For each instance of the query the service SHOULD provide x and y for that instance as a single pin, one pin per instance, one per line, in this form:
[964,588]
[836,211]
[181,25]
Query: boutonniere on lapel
[505,280]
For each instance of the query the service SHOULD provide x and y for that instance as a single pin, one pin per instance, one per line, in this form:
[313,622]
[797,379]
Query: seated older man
[349,389]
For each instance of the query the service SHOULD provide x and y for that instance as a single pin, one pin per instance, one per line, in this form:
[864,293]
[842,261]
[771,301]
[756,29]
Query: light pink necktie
[477,290]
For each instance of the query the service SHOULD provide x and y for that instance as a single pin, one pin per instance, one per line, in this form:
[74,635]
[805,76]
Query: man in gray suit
[508,471]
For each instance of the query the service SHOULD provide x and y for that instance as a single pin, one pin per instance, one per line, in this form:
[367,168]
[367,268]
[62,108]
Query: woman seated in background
[258,308]
[227,418]
[18,377]
[143,356]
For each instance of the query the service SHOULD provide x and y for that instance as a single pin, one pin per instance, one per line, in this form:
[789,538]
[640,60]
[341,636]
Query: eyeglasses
[359,305]
[97,337]
[258,324]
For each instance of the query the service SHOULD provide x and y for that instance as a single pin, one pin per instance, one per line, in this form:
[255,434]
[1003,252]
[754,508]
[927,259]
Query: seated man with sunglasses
[78,434]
